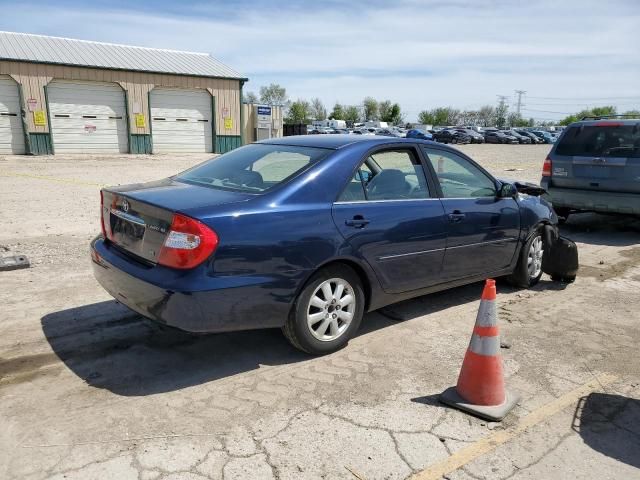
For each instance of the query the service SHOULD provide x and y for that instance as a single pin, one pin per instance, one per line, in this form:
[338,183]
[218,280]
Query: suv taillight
[546,167]
[188,243]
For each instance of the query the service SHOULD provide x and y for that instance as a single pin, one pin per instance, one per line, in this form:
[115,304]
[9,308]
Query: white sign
[32,103]
[263,116]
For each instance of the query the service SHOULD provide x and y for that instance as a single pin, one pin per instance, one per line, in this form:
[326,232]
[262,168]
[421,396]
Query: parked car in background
[526,133]
[451,136]
[496,136]
[387,132]
[523,139]
[282,233]
[475,136]
[545,136]
[422,134]
[595,166]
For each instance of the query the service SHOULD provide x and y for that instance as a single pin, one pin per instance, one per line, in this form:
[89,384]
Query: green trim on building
[226,143]
[214,137]
[40,144]
[150,121]
[140,143]
[241,115]
[46,100]
[24,121]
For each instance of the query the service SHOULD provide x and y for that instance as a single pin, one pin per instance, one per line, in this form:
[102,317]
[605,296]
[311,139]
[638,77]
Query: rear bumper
[192,300]
[593,200]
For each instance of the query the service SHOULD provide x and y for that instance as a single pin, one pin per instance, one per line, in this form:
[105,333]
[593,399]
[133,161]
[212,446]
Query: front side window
[254,168]
[388,175]
[458,177]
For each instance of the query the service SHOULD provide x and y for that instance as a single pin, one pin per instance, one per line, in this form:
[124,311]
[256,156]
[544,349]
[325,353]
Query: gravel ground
[91,391]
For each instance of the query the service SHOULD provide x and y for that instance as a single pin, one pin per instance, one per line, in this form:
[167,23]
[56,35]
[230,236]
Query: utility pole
[519,103]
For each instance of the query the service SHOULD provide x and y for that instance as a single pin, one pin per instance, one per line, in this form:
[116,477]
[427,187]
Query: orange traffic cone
[480,390]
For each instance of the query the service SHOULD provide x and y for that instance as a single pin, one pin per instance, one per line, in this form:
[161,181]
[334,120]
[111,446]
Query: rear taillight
[546,167]
[188,243]
[104,230]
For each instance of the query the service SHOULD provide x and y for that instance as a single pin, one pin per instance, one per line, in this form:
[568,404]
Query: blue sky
[566,54]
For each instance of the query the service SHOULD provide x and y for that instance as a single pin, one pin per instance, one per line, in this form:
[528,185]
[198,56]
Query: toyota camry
[308,233]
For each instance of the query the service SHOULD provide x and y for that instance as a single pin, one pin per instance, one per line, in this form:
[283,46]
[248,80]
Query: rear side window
[601,141]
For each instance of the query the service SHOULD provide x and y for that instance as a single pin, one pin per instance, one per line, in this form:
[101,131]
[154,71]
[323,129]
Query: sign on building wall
[32,104]
[140,120]
[263,117]
[228,123]
[39,118]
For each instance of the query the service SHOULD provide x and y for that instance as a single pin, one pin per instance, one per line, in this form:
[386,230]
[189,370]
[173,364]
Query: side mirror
[507,190]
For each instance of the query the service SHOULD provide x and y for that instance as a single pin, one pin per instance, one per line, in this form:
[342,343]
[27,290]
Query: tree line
[305,111]
[597,112]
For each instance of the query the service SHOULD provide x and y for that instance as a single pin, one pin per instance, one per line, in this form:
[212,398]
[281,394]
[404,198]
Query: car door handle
[358,221]
[456,216]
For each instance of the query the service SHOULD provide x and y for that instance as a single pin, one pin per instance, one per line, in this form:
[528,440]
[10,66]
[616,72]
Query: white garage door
[11,133]
[87,117]
[181,120]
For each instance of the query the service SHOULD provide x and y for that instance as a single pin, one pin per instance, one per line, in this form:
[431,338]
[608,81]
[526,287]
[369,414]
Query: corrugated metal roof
[65,51]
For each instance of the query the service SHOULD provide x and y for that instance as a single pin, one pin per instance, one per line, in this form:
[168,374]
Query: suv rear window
[601,141]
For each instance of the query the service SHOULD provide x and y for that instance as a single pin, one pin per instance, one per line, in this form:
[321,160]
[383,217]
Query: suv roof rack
[601,117]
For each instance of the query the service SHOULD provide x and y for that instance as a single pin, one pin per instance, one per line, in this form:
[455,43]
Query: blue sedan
[308,233]
[421,134]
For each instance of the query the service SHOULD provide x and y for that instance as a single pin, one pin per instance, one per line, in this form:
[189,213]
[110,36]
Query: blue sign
[264,111]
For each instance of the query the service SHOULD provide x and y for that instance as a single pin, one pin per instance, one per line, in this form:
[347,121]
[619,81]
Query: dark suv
[595,166]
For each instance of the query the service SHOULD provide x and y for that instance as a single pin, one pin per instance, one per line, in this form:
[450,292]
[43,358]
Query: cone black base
[494,413]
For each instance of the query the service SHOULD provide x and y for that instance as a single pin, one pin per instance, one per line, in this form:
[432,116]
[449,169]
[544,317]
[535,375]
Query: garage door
[182,120]
[87,117]
[11,133]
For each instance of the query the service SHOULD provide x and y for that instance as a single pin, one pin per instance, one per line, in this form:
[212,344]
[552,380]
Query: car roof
[604,121]
[335,142]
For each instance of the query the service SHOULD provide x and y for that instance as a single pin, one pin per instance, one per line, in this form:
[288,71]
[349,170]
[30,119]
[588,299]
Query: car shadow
[610,424]
[598,229]
[110,347]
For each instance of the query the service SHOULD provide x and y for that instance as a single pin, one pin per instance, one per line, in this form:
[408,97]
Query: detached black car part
[560,258]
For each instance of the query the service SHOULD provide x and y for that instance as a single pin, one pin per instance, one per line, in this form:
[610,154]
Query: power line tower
[519,103]
[501,111]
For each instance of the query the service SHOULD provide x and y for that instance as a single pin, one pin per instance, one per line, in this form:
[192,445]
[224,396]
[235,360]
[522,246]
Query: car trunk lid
[137,218]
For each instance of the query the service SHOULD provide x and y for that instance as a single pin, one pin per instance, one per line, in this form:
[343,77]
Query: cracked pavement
[91,391]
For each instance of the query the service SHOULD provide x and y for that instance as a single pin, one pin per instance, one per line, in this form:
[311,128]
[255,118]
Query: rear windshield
[254,168]
[601,141]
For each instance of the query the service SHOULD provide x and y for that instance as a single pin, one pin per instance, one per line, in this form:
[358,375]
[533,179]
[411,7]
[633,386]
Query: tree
[317,110]
[390,113]
[516,120]
[274,94]
[487,116]
[298,112]
[370,109]
[249,97]
[351,114]
[501,114]
[633,113]
[384,110]
[338,112]
[440,116]
[594,112]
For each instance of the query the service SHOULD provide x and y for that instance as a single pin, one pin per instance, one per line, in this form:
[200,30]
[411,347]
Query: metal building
[59,95]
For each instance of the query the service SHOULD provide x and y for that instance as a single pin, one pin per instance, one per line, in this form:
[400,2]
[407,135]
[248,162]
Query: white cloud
[420,54]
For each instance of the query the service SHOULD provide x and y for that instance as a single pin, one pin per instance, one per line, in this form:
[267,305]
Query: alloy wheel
[534,257]
[331,309]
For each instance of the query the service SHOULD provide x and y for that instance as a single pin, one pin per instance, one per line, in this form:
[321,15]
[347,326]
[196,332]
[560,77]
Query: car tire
[563,214]
[528,271]
[319,325]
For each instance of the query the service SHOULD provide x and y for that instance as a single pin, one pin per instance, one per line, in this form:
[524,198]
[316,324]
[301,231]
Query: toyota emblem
[125,206]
